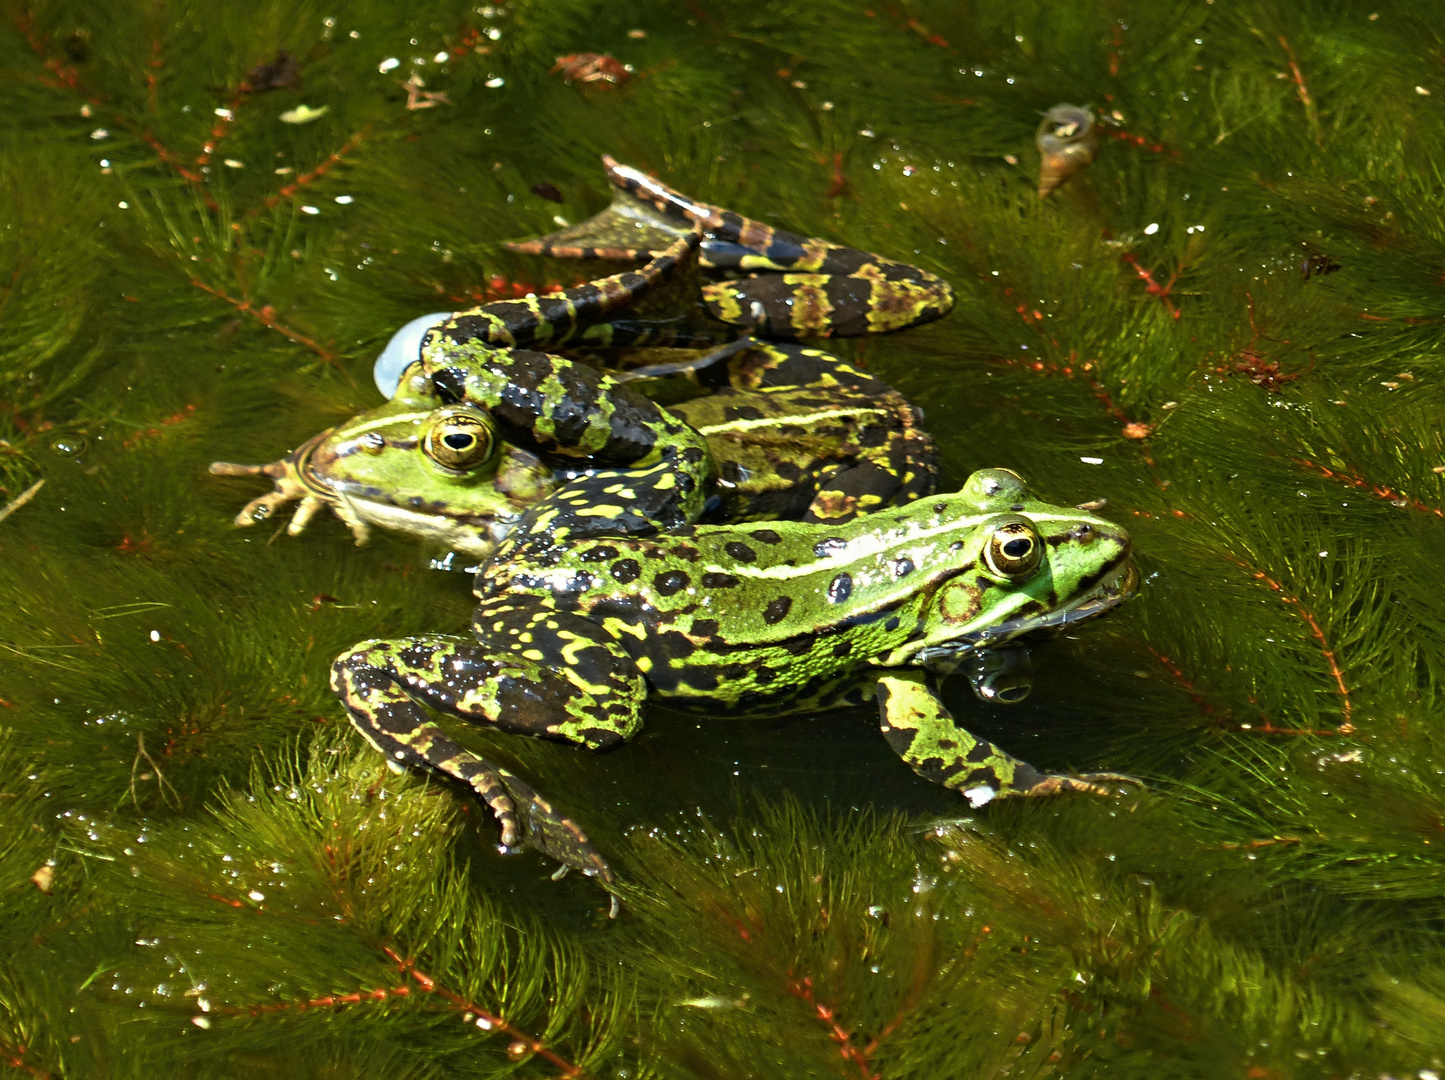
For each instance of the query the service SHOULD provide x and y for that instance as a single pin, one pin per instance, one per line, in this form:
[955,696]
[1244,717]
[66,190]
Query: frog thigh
[777,364]
[900,467]
[381,682]
[877,297]
[923,733]
[621,502]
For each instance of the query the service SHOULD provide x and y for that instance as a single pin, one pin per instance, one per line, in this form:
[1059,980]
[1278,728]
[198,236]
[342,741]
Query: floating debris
[547,191]
[21,499]
[44,879]
[279,74]
[304,114]
[591,68]
[1067,140]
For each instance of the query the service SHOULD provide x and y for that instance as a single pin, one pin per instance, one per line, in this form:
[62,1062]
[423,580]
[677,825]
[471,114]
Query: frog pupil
[1017,549]
[458,440]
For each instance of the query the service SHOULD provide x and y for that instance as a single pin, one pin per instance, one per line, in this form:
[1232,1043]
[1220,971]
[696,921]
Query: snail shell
[1067,140]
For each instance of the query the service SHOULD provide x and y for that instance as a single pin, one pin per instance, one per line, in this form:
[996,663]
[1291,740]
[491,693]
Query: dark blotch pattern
[718,581]
[740,552]
[671,582]
[840,588]
[626,571]
[777,610]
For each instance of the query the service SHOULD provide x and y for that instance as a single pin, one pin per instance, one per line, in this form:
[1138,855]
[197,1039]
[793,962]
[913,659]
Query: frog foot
[291,485]
[1093,783]
[528,820]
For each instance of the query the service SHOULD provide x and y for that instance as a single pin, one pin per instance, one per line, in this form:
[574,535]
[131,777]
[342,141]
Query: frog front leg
[924,734]
[570,689]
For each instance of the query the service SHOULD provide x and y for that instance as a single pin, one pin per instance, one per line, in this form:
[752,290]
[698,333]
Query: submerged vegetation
[1230,325]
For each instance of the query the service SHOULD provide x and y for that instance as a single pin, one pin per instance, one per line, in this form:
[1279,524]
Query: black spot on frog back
[740,552]
[670,582]
[777,610]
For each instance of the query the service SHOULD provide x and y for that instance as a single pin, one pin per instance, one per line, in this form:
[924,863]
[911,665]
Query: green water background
[1230,327]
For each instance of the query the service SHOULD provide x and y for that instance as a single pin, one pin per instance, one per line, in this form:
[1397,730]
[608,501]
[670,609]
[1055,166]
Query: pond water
[1227,325]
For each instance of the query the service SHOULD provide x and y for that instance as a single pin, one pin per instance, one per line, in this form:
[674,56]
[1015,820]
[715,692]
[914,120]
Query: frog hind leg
[613,502]
[551,319]
[895,460]
[879,297]
[808,287]
[595,702]
[924,734]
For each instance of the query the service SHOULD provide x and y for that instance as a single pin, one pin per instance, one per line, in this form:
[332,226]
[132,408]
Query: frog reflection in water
[572,636]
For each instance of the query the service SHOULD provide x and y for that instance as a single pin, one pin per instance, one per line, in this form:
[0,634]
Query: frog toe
[1105,784]
[531,821]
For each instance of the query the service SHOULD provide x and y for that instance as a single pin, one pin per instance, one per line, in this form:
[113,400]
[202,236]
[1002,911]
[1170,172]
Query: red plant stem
[839,182]
[14,1056]
[1152,286]
[329,1001]
[316,173]
[836,1031]
[66,78]
[223,123]
[497,1023]
[267,318]
[1355,480]
[153,65]
[1142,142]
[1302,89]
[1317,632]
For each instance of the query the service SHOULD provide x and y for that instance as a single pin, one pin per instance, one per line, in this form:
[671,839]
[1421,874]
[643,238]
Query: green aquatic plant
[1229,325]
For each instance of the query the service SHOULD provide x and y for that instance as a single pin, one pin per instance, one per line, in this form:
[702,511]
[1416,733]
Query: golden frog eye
[459,439]
[1014,550]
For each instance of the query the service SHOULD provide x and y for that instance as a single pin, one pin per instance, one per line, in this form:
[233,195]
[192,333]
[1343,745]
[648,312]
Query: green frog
[776,284]
[792,433]
[572,635]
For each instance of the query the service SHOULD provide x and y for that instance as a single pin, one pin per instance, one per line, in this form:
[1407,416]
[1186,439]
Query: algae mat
[1229,326]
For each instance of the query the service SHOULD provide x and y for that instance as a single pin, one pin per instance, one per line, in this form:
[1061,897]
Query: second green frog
[572,637]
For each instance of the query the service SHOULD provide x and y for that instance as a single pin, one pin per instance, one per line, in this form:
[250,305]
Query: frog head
[417,464]
[1026,566]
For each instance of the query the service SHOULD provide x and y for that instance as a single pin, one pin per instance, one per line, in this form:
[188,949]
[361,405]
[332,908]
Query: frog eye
[1013,550]
[459,439]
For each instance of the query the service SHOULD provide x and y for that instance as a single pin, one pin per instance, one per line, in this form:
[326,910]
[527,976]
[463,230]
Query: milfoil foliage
[1230,326]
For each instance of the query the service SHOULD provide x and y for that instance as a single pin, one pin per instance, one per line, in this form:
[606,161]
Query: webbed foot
[528,820]
[924,734]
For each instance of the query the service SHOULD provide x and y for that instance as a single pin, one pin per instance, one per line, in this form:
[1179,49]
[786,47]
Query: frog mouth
[1112,590]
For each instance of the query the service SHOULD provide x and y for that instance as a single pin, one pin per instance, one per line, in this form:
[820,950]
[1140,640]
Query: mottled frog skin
[793,433]
[572,635]
[777,284]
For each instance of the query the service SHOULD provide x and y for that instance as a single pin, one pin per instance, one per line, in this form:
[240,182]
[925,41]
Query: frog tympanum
[574,633]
